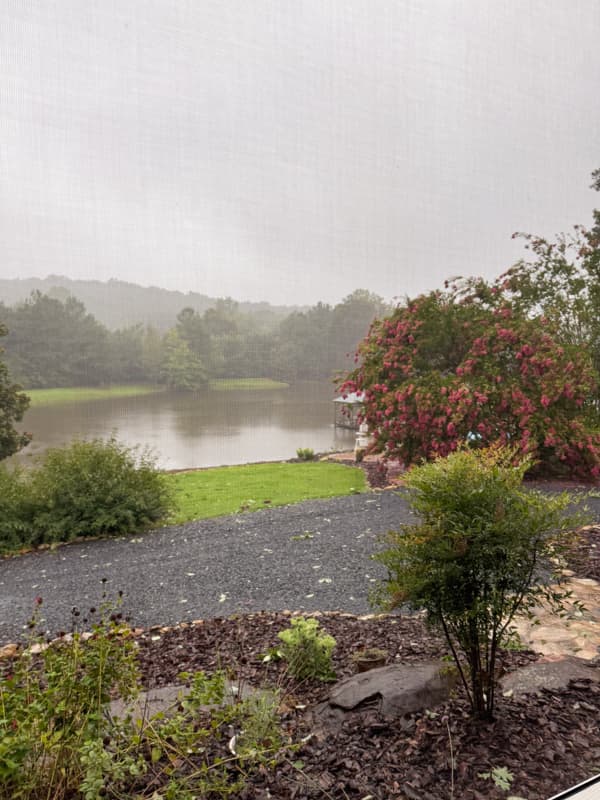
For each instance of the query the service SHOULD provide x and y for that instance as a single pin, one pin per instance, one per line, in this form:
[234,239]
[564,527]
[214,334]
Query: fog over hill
[118,304]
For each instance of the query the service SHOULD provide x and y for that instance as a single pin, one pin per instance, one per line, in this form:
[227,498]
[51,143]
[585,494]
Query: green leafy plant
[95,487]
[482,551]
[14,509]
[502,778]
[59,740]
[52,706]
[305,454]
[13,404]
[307,649]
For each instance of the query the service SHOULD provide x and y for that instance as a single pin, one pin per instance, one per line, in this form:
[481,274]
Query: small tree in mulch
[483,550]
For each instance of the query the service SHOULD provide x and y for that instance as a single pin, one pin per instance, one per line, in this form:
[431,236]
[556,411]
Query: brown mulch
[584,557]
[548,742]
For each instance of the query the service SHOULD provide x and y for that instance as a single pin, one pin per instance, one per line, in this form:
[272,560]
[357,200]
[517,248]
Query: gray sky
[292,150]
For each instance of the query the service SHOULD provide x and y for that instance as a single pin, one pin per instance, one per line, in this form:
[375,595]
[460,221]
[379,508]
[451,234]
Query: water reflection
[200,429]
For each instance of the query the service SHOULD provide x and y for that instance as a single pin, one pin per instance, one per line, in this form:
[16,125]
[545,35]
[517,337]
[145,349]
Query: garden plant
[307,649]
[60,741]
[483,550]
[444,369]
[88,488]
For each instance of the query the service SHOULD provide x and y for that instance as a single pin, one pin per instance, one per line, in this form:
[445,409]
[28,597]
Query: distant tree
[13,404]
[126,352]
[194,331]
[317,343]
[181,368]
[153,353]
[56,343]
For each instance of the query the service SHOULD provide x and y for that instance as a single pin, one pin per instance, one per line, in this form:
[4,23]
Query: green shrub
[15,511]
[305,454]
[52,704]
[307,649]
[58,739]
[96,487]
[476,557]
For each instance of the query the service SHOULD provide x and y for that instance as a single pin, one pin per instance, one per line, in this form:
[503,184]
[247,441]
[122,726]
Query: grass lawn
[82,394]
[228,384]
[228,490]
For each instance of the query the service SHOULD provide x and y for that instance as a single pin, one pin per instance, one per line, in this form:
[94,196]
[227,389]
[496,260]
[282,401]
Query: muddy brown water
[199,429]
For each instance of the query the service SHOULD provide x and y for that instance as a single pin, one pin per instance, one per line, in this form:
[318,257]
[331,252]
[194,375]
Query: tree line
[55,342]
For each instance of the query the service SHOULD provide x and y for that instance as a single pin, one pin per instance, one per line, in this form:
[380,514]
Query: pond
[200,429]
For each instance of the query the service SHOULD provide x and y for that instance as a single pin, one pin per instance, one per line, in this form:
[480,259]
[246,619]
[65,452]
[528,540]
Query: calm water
[200,429]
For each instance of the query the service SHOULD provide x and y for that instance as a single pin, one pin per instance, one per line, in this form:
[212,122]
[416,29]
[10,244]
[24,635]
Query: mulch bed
[548,742]
[584,558]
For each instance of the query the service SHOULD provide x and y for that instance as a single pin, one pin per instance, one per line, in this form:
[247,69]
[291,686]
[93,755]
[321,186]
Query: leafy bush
[51,705]
[305,453]
[307,649]
[476,557]
[15,517]
[95,487]
[57,739]
[13,404]
[446,368]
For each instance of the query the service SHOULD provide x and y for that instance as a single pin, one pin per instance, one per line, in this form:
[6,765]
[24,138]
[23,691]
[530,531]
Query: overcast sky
[292,150]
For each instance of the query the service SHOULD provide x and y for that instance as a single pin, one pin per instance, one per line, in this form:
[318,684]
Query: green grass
[228,384]
[82,394]
[228,490]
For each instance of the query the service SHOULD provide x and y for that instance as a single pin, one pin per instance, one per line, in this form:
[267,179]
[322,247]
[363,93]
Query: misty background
[291,151]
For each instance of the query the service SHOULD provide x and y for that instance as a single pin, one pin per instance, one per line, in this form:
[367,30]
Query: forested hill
[53,340]
[118,304]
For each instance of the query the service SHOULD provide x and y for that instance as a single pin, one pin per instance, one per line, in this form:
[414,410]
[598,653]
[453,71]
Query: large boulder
[401,688]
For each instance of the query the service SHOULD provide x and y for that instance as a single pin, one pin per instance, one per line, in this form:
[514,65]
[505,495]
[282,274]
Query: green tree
[13,404]
[56,343]
[126,351]
[558,279]
[181,368]
[475,557]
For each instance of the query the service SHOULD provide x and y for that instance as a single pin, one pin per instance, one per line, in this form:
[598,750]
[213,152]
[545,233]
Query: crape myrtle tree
[13,404]
[515,361]
[558,279]
[446,368]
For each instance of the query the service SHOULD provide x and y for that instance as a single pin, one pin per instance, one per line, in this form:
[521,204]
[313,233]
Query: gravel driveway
[309,556]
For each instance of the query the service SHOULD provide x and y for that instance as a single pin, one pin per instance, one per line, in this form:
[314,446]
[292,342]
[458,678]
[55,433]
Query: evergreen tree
[13,404]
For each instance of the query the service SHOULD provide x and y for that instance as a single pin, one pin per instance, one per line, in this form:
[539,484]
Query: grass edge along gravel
[218,491]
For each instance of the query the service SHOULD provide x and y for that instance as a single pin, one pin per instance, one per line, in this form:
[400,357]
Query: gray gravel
[310,556]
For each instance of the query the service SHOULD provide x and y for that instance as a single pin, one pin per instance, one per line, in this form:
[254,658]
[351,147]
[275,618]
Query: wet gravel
[309,556]
[305,557]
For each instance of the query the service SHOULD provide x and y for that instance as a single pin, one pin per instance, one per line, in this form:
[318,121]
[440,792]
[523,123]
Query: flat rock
[403,688]
[166,699]
[9,651]
[549,674]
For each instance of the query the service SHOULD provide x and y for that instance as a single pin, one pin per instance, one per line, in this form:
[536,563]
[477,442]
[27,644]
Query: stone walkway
[575,634]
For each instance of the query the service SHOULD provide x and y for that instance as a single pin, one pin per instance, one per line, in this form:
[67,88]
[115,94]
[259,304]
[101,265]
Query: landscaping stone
[403,688]
[166,699]
[550,673]
[9,651]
